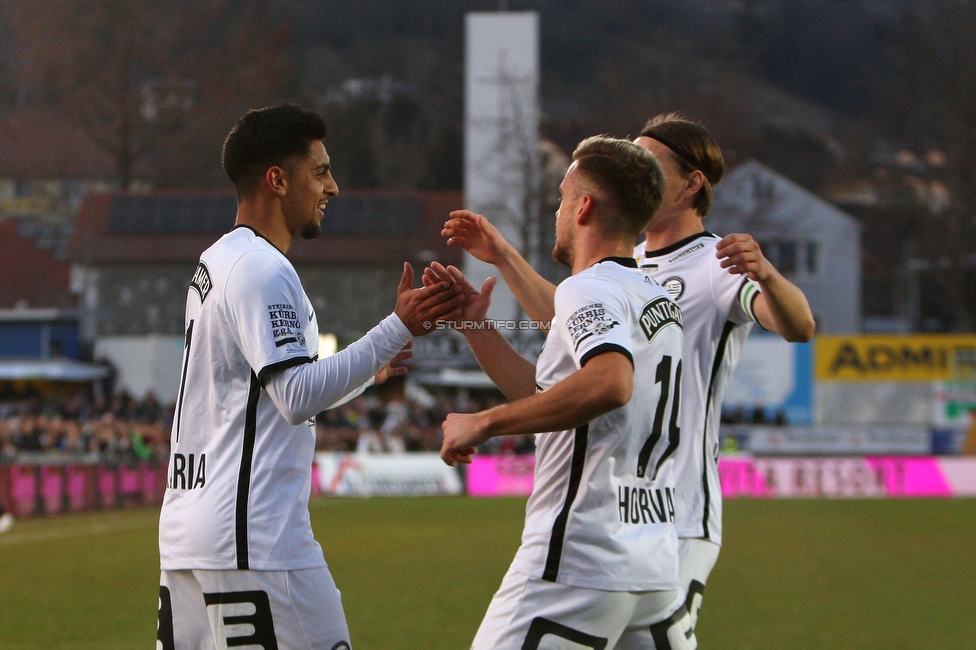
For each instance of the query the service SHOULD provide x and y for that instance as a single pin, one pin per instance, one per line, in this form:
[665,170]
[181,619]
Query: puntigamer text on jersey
[658,313]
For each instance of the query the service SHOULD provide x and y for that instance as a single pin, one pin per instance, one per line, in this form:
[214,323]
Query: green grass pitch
[418,574]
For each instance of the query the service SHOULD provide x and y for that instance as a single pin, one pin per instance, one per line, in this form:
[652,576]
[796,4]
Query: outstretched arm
[301,391]
[511,372]
[605,383]
[478,236]
[781,307]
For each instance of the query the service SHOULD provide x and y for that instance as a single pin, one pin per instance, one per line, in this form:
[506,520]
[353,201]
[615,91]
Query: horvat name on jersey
[643,506]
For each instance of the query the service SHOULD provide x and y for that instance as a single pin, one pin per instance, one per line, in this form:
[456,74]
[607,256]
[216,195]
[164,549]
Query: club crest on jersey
[588,321]
[658,314]
[201,281]
[286,326]
[675,287]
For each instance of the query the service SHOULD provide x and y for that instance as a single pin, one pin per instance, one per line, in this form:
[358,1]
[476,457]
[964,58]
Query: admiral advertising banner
[916,357]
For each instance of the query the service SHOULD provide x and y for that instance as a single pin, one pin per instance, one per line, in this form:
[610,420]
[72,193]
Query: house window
[812,257]
[797,259]
[787,257]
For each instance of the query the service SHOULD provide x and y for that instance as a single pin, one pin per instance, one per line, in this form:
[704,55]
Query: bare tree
[933,101]
[132,73]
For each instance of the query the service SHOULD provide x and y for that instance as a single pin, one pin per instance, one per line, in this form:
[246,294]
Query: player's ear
[586,209]
[275,180]
[696,180]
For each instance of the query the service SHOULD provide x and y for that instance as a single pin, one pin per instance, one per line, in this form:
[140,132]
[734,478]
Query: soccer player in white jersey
[239,563]
[598,564]
[723,285]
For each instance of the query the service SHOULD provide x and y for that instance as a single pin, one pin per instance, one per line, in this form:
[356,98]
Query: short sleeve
[735,295]
[593,316]
[266,311]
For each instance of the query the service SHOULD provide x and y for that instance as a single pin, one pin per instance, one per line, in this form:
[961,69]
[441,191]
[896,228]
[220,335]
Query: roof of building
[42,143]
[30,273]
[754,198]
[365,227]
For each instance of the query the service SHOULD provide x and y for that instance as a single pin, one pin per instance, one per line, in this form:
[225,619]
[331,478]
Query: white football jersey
[239,474]
[601,514]
[718,315]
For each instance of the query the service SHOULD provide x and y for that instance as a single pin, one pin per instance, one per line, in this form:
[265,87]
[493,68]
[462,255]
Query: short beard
[312,230]
[563,255]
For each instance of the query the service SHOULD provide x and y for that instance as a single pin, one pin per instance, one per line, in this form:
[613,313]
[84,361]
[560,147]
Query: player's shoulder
[604,276]
[693,246]
[244,243]
[242,260]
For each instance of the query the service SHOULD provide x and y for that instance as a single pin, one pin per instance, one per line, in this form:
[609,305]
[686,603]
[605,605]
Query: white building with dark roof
[814,244]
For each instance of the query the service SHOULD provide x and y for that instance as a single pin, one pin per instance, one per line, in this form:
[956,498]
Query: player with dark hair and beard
[239,563]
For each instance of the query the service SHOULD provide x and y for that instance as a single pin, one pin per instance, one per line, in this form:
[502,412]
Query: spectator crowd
[127,429]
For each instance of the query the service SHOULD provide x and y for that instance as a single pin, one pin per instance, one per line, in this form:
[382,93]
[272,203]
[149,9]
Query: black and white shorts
[274,610]
[696,559]
[532,614]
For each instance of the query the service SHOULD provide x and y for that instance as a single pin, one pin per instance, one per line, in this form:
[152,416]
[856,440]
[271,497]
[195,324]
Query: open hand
[476,303]
[420,309]
[740,254]
[475,234]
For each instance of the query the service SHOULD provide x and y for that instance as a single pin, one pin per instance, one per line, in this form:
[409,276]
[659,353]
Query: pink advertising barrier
[51,489]
[745,476]
[500,475]
[870,476]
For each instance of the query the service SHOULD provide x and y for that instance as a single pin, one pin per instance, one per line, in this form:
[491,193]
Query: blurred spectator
[127,429]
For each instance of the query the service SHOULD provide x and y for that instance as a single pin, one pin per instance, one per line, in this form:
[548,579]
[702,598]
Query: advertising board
[811,477]
[416,473]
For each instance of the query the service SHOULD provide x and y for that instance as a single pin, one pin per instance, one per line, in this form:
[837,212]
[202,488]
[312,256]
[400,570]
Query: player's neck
[266,218]
[589,253]
[661,233]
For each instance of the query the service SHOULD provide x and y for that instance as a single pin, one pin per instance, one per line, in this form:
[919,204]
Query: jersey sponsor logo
[187,471]
[657,314]
[645,506]
[687,251]
[201,281]
[588,321]
[286,326]
[675,286]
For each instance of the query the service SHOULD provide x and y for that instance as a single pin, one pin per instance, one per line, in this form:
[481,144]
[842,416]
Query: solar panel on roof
[171,215]
[214,214]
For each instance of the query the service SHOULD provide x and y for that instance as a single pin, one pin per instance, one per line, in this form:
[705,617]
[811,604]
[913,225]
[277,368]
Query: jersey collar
[622,261]
[257,234]
[677,245]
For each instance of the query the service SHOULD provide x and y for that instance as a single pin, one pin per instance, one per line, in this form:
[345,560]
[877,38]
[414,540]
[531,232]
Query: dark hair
[694,149]
[266,137]
[629,175]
